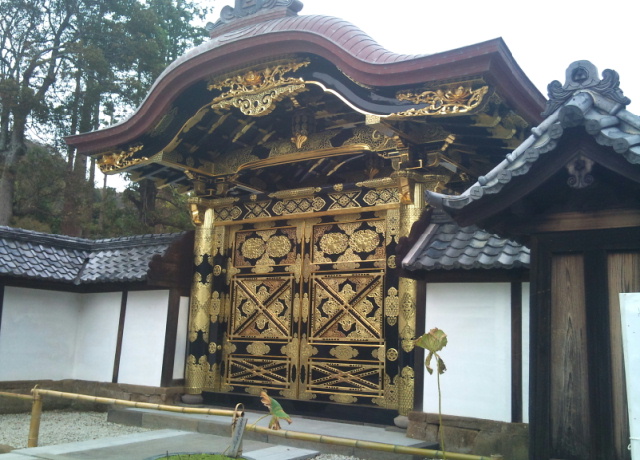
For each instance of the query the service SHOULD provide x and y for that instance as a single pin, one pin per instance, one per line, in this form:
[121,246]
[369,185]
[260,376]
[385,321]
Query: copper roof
[343,44]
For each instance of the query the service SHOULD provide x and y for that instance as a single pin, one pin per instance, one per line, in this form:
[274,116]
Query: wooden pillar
[197,366]
[412,203]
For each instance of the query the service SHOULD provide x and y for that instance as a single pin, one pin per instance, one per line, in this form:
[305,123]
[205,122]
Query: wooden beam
[599,354]
[540,359]
[575,221]
[1,304]
[118,353]
[516,352]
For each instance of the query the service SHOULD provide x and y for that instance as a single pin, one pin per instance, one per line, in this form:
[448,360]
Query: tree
[39,201]
[123,46]
[39,188]
[69,66]
[34,38]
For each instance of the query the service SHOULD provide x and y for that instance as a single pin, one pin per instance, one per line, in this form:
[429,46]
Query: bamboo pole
[139,405]
[36,414]
[331,440]
[16,395]
[370,445]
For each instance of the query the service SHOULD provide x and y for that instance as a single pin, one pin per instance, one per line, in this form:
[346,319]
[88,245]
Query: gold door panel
[260,326]
[262,308]
[307,310]
[348,243]
[346,329]
[347,307]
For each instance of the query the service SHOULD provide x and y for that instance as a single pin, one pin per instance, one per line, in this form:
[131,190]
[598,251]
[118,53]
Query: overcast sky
[544,36]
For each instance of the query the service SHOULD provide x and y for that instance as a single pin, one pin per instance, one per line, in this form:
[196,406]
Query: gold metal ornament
[257,91]
[199,308]
[120,160]
[343,399]
[334,243]
[406,390]
[258,348]
[390,398]
[392,306]
[344,352]
[392,354]
[364,241]
[216,306]
[391,262]
[447,101]
[212,382]
[195,374]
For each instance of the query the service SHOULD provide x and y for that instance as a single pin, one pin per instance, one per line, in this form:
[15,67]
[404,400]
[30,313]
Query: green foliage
[39,190]
[199,457]
[39,202]
[70,66]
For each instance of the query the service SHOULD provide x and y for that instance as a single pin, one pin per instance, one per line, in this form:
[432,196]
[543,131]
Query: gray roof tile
[597,104]
[449,246]
[28,254]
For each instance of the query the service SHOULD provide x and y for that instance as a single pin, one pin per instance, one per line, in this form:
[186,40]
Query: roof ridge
[41,237]
[78,278]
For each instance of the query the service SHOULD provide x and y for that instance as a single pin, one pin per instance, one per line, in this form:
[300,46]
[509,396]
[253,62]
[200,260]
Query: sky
[543,36]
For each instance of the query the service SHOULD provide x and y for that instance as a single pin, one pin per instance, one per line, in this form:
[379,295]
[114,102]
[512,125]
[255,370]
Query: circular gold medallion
[364,241]
[253,248]
[278,246]
[334,243]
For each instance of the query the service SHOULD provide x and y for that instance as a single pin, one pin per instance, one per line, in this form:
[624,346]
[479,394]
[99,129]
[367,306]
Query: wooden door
[263,325]
[578,408]
[307,318]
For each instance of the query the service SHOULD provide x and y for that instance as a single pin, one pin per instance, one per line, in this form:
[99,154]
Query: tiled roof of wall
[29,254]
[446,245]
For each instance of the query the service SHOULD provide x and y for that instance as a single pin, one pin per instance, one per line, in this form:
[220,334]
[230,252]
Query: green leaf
[441,367]
[434,340]
[427,363]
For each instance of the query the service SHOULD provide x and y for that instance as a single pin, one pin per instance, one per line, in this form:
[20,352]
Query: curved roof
[345,46]
[585,100]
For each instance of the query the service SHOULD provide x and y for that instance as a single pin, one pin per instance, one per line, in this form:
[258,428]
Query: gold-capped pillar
[412,203]
[197,366]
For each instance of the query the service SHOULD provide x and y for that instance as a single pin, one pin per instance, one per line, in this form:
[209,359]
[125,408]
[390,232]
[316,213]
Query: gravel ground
[61,427]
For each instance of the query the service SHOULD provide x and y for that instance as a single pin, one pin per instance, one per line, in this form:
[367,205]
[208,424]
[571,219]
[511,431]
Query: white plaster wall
[525,350]
[38,335]
[143,338]
[97,336]
[476,318]
[181,339]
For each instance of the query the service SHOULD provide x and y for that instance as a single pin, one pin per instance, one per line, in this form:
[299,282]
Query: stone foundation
[155,395]
[472,436]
